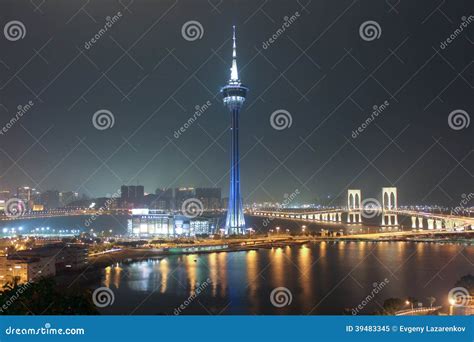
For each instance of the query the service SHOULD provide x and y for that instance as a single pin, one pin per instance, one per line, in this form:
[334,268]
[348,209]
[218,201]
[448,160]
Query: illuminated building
[28,195]
[24,269]
[146,223]
[63,256]
[38,207]
[234,94]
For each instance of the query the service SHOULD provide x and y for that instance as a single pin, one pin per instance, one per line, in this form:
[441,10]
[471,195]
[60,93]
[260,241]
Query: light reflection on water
[324,278]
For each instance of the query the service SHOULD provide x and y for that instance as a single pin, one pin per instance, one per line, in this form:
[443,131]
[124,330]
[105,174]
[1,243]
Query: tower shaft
[235,222]
[234,94]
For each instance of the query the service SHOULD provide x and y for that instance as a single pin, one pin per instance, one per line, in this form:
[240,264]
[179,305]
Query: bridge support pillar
[439,224]
[354,217]
[430,224]
[420,222]
[390,220]
[339,217]
[413,221]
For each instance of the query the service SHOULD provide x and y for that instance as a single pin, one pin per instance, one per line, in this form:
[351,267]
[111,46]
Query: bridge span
[387,210]
[419,219]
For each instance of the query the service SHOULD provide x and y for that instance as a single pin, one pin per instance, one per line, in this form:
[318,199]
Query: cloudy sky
[320,66]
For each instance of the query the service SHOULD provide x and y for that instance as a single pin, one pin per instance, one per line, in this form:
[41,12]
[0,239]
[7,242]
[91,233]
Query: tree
[392,305]
[44,297]
[431,300]
[466,281]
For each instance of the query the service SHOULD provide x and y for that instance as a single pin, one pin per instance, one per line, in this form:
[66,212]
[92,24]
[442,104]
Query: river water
[319,277]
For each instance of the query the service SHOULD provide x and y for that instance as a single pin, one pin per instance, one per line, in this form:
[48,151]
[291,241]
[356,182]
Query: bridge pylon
[389,206]
[354,199]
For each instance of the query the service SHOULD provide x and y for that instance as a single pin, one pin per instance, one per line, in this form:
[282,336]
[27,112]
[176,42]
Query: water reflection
[190,266]
[316,273]
[305,266]
[164,271]
[277,266]
[222,272]
[252,272]
[212,261]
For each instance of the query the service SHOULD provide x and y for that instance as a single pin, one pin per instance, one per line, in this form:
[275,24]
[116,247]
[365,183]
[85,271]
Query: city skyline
[241,158]
[328,81]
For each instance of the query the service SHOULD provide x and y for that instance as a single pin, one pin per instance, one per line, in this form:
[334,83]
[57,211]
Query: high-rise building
[50,199]
[67,197]
[181,195]
[28,195]
[234,94]
[163,200]
[4,197]
[24,193]
[209,197]
[132,195]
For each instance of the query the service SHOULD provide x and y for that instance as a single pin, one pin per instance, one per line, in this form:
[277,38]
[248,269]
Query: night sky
[319,70]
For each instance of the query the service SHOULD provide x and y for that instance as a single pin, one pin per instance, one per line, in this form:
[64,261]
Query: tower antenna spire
[234,73]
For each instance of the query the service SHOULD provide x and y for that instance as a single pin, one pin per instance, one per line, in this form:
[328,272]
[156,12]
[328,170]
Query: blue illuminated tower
[234,94]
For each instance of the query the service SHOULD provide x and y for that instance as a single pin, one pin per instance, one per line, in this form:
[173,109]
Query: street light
[303,228]
[278,229]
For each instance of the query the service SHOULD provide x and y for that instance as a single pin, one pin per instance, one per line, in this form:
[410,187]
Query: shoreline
[143,253]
